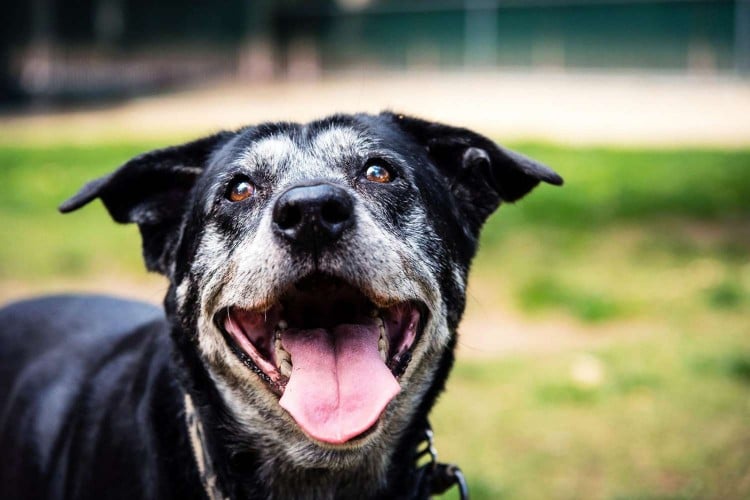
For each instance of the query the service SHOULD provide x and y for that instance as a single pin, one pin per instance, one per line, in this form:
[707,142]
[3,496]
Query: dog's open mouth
[330,353]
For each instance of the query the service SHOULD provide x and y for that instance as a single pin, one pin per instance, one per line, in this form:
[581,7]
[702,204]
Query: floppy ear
[481,173]
[152,190]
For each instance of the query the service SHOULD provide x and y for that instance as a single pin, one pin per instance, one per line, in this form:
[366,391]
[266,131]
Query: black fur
[91,388]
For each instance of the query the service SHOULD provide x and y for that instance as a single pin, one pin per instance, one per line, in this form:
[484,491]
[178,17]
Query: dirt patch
[500,330]
[569,108]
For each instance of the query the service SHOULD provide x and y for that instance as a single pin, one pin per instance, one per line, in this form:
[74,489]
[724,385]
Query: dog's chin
[331,354]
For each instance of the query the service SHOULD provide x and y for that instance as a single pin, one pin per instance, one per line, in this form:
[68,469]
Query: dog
[317,275]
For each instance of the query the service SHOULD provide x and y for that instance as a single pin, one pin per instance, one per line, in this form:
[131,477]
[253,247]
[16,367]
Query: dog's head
[319,270]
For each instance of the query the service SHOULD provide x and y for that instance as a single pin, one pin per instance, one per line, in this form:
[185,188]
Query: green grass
[669,419]
[37,241]
[658,239]
[606,185]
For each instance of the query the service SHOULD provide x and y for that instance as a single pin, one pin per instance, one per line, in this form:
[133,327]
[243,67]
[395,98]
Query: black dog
[317,276]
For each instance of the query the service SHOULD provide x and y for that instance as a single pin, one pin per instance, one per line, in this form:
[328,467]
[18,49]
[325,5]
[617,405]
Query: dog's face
[319,270]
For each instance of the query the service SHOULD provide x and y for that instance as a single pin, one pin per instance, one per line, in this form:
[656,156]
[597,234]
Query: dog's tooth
[381,326]
[383,344]
[282,357]
[281,353]
[285,367]
[376,321]
[383,349]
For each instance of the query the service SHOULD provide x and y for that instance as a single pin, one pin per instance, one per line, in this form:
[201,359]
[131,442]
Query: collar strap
[433,478]
[200,452]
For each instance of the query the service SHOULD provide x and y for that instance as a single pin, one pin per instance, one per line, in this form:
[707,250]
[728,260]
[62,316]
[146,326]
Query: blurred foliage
[657,238]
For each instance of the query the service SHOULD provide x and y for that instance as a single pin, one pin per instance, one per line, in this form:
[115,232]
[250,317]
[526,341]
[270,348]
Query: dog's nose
[313,216]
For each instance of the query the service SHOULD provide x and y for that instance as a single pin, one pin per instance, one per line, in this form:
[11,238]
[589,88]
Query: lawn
[647,249]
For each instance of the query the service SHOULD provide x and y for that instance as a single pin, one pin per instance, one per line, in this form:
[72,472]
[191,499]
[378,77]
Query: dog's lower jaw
[257,464]
[382,467]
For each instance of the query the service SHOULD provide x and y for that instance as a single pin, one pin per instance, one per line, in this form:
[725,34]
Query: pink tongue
[339,386]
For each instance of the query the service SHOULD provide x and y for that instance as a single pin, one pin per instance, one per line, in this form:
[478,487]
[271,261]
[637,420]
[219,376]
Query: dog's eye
[241,189]
[378,173]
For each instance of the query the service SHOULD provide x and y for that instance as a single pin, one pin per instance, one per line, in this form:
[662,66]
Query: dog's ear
[152,190]
[481,173]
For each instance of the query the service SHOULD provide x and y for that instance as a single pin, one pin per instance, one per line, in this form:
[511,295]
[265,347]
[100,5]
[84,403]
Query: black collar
[433,478]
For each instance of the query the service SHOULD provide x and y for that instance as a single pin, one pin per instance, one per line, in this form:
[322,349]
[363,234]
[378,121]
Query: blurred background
[605,353]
